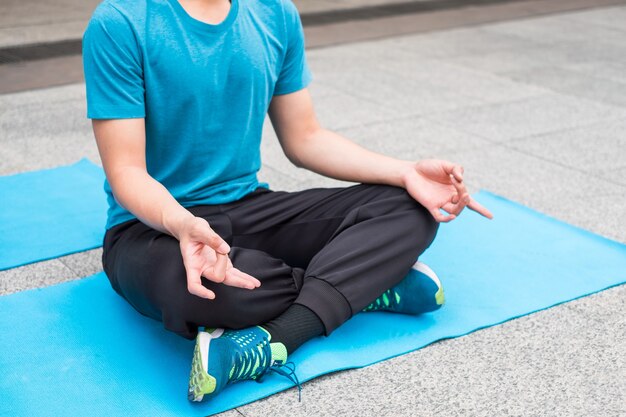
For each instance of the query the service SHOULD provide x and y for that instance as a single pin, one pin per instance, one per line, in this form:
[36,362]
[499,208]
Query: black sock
[295,326]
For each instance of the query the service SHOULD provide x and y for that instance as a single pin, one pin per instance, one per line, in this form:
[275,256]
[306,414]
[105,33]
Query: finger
[457,171]
[247,277]
[439,217]
[479,208]
[453,169]
[235,280]
[218,272]
[452,208]
[200,290]
[458,201]
[460,188]
[195,287]
[207,236]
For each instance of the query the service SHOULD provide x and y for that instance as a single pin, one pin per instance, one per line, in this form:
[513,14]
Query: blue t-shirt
[203,89]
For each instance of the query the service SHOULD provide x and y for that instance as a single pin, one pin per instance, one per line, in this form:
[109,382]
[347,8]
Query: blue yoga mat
[50,213]
[78,349]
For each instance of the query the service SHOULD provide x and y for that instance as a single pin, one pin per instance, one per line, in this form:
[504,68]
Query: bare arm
[121,143]
[122,147]
[435,184]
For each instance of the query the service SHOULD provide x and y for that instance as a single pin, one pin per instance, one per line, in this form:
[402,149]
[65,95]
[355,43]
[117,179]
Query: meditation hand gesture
[205,254]
[438,184]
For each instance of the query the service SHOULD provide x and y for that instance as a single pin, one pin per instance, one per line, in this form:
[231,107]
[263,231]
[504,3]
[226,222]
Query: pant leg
[354,243]
[145,267]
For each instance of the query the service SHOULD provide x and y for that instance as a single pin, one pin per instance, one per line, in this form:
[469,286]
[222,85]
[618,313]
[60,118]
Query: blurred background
[529,95]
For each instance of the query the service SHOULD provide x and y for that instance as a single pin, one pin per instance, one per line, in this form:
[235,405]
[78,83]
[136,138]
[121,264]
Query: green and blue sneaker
[226,356]
[419,292]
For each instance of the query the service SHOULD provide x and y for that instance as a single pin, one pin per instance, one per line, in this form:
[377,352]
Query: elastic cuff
[324,300]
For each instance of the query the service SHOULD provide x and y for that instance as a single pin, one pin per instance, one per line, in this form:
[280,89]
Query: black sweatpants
[333,250]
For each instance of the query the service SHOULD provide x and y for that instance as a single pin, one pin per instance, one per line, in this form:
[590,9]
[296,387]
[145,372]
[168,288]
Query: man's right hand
[205,254]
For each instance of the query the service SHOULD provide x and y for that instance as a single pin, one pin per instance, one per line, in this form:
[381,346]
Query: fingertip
[224,248]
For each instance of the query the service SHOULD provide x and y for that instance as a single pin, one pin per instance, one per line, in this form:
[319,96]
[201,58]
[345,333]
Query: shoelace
[388,300]
[290,374]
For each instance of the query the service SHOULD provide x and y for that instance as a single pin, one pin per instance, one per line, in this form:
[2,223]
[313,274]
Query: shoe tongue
[279,353]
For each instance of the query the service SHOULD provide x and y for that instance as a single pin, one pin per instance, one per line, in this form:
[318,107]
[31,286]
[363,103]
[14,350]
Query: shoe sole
[200,382]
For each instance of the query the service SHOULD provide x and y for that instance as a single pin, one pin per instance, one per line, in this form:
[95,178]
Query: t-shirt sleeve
[294,74]
[113,67]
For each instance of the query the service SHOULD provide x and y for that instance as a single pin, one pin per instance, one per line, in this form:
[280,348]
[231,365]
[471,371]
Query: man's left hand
[438,185]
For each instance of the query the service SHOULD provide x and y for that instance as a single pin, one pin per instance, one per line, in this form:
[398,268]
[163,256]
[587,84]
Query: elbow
[298,149]
[294,159]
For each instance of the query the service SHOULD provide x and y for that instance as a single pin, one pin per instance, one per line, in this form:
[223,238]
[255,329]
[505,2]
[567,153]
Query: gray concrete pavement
[533,110]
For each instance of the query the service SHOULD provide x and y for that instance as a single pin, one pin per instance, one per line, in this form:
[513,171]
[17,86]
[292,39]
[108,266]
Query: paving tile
[344,109]
[394,95]
[610,17]
[599,148]
[85,263]
[467,82]
[464,41]
[616,175]
[554,29]
[614,70]
[38,119]
[574,83]
[44,97]
[511,120]
[572,42]
[41,152]
[603,307]
[363,53]
[602,214]
[412,138]
[520,59]
[41,274]
[378,71]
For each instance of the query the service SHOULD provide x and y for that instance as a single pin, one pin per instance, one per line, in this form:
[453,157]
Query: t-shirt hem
[293,86]
[117,112]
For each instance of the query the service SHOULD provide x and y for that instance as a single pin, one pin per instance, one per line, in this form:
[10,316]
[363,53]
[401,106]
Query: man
[178,91]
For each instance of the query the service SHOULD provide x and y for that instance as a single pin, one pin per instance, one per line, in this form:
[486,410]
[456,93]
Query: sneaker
[419,292]
[227,356]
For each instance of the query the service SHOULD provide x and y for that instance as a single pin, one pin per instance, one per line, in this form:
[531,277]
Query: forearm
[149,200]
[332,155]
